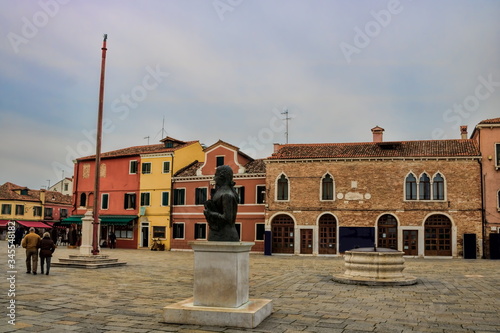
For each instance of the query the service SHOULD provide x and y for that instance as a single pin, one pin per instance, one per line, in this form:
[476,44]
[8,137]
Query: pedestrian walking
[112,240]
[47,247]
[31,242]
[18,236]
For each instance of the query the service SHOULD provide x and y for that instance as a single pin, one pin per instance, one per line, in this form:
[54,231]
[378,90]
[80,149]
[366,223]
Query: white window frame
[149,199]
[255,232]
[163,167]
[276,188]
[257,194]
[102,200]
[497,157]
[168,204]
[321,188]
[150,168]
[183,233]
[173,200]
[206,230]
[130,167]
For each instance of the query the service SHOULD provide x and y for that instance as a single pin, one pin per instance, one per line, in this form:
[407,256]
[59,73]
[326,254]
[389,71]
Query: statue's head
[223,175]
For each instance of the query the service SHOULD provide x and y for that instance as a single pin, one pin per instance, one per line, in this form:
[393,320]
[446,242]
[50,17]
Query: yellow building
[32,208]
[155,188]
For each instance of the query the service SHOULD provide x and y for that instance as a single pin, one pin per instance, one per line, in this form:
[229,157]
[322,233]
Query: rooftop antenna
[147,137]
[286,119]
[163,128]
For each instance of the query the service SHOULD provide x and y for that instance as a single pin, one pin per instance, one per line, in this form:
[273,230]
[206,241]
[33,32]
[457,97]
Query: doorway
[306,241]
[145,234]
[410,242]
[282,234]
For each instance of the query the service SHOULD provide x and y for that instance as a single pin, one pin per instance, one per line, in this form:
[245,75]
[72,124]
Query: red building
[119,190]
[192,187]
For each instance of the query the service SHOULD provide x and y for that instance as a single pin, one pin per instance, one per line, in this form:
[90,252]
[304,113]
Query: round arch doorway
[387,226]
[327,234]
[437,236]
[282,227]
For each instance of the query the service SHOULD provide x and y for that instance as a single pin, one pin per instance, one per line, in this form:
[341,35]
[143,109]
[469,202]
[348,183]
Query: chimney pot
[463,131]
[378,133]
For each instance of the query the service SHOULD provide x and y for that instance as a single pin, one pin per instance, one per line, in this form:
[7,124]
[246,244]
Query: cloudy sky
[227,69]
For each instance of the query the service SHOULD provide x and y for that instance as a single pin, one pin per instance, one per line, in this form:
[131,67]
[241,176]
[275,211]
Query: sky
[228,69]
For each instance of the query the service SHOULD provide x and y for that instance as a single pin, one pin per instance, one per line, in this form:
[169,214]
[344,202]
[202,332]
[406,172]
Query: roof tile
[429,148]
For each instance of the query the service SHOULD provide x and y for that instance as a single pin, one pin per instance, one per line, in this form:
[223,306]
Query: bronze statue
[220,211]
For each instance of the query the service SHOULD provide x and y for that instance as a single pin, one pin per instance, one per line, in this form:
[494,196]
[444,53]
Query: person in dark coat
[18,236]
[47,247]
[112,240]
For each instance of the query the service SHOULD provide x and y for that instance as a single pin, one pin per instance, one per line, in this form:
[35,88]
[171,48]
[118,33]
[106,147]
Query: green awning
[105,219]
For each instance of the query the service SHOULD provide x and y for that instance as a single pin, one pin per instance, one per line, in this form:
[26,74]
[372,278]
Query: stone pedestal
[86,259]
[87,232]
[220,293]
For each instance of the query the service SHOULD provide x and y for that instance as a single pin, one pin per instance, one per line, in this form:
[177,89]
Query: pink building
[487,134]
[192,187]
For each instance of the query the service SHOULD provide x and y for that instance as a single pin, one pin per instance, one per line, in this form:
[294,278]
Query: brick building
[419,197]
[192,187]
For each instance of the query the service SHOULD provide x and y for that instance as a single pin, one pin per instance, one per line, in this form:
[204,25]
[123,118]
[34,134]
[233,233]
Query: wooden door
[410,242]
[306,241]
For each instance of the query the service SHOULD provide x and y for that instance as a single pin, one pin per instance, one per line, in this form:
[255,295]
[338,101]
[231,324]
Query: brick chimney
[378,133]
[277,146]
[463,131]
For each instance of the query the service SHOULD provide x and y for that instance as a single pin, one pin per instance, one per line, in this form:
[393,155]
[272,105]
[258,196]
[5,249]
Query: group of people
[36,245]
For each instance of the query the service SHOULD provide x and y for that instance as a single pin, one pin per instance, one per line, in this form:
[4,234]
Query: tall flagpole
[95,238]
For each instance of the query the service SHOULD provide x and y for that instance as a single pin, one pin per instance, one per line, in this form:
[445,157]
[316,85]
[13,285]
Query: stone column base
[248,315]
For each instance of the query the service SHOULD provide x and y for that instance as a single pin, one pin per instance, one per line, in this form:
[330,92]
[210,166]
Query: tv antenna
[286,119]
[147,137]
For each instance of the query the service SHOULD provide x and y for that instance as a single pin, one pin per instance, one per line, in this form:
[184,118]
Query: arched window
[411,187]
[424,187]
[438,187]
[327,188]
[282,188]
[83,200]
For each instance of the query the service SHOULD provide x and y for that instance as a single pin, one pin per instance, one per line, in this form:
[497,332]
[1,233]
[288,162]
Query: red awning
[3,223]
[34,224]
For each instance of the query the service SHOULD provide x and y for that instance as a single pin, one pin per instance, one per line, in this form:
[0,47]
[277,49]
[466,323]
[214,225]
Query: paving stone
[451,296]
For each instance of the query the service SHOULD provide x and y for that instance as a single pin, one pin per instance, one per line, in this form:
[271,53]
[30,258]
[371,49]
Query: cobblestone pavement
[451,295]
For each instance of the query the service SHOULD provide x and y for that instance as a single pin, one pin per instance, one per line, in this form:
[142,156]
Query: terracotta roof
[10,191]
[490,121]
[256,166]
[430,148]
[137,150]
[189,170]
[227,145]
